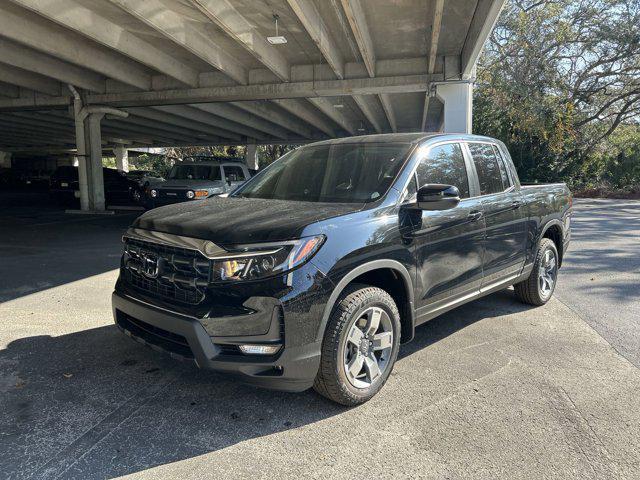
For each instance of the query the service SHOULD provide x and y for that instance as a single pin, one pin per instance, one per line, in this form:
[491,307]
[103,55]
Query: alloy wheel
[547,273]
[368,347]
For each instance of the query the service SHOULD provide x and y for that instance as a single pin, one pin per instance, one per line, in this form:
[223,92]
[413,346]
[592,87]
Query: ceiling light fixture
[277,39]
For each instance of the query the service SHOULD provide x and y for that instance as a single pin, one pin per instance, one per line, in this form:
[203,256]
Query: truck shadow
[94,404]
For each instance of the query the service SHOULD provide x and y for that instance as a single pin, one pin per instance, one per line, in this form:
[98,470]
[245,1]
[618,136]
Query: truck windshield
[345,173]
[195,172]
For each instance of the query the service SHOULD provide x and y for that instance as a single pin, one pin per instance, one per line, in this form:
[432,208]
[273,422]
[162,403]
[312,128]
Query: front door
[448,243]
[505,215]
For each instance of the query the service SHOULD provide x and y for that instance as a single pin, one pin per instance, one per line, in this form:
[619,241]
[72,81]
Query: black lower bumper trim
[293,369]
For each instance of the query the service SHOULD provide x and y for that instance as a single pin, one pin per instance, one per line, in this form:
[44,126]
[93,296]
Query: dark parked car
[315,270]
[143,181]
[64,187]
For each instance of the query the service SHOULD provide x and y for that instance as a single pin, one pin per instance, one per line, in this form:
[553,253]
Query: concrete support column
[81,150]
[5,159]
[122,158]
[89,150]
[458,104]
[95,176]
[251,156]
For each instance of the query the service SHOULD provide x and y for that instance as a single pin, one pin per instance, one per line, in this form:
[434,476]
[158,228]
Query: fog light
[154,193]
[259,349]
[190,194]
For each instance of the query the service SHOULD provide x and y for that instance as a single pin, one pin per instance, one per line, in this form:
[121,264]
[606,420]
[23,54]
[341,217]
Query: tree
[557,79]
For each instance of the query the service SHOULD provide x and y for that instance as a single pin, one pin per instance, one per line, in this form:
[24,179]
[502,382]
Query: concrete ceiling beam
[267,111]
[169,118]
[435,26]
[303,110]
[326,106]
[231,112]
[225,16]
[26,58]
[482,23]
[373,111]
[184,32]
[227,128]
[387,105]
[312,21]
[73,15]
[41,35]
[326,88]
[34,81]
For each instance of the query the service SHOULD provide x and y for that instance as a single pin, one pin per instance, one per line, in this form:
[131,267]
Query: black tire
[331,380]
[529,290]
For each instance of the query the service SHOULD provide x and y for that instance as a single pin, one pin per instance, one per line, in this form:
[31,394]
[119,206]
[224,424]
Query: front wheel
[539,287]
[360,345]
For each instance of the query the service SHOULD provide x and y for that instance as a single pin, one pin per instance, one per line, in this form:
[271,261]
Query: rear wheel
[539,287]
[360,345]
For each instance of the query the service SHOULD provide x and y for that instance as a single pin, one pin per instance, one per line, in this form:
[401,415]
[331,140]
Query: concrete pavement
[601,278]
[494,389]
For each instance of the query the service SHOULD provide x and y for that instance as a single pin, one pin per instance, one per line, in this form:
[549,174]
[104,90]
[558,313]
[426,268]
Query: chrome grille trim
[205,247]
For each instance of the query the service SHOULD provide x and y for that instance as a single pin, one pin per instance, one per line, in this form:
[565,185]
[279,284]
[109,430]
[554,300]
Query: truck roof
[415,137]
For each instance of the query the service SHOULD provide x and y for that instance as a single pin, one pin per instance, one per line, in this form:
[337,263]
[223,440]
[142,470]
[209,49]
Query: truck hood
[228,221]
[189,184]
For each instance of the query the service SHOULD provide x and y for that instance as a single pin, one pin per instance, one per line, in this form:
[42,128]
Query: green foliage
[558,83]
[155,163]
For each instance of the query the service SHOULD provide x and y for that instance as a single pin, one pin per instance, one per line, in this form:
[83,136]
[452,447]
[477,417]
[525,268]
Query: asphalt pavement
[494,389]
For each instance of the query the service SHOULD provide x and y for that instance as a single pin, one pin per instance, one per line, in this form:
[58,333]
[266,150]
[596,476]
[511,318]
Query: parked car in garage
[196,178]
[314,271]
[144,180]
[64,187]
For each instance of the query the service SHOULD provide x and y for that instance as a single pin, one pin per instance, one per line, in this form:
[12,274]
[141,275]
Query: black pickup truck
[316,270]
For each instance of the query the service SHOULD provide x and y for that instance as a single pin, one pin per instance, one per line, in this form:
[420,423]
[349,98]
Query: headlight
[215,190]
[153,193]
[252,262]
[190,194]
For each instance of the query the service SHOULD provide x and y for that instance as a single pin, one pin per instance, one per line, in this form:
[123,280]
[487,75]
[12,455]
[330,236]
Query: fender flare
[547,226]
[394,265]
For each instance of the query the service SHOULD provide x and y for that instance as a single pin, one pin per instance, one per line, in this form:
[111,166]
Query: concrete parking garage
[494,389]
[80,79]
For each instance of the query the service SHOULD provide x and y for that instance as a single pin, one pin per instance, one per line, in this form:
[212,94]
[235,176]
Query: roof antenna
[277,39]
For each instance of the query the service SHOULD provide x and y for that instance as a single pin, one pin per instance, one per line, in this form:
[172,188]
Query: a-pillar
[95,177]
[458,106]
[122,158]
[251,156]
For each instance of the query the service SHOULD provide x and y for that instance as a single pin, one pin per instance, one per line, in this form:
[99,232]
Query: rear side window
[233,173]
[504,169]
[490,173]
[444,164]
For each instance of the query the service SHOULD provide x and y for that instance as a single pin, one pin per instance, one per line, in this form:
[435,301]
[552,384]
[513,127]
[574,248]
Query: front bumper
[183,337]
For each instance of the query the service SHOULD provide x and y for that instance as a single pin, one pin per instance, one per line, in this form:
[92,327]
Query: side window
[444,164]
[503,167]
[490,175]
[233,173]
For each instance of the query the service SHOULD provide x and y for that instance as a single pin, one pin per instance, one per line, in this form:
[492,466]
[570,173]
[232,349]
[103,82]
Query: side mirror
[435,196]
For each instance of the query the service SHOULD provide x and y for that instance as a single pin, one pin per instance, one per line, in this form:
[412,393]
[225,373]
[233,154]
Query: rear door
[448,243]
[504,212]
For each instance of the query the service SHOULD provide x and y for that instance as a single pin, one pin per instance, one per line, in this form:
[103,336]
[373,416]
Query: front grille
[173,194]
[154,336]
[171,273]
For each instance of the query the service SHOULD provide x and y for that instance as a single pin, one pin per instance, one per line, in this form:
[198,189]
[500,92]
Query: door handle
[516,204]
[474,216]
